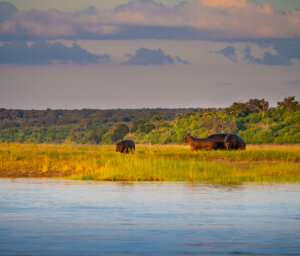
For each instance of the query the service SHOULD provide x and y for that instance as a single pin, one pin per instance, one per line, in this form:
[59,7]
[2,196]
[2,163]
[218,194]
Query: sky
[146,54]
[109,4]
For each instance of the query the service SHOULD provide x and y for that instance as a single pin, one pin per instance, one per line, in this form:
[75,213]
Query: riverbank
[259,163]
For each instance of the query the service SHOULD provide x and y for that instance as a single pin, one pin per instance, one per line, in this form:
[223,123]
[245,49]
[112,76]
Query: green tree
[237,109]
[142,126]
[156,119]
[119,131]
[136,125]
[222,123]
[259,105]
[107,138]
[95,134]
[288,103]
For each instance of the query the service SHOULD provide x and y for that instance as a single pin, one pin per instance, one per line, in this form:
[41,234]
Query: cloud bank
[293,82]
[286,51]
[46,53]
[146,57]
[267,59]
[203,19]
[228,52]
[43,53]
[7,10]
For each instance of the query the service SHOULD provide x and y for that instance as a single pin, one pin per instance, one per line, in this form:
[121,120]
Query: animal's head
[187,138]
[119,147]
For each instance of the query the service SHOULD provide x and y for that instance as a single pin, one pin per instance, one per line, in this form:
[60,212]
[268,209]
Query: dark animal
[124,146]
[219,138]
[197,144]
[234,141]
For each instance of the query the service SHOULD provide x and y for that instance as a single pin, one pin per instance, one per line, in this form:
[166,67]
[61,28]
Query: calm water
[59,217]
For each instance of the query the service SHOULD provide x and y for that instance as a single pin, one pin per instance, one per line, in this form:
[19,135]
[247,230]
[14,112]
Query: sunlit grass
[259,163]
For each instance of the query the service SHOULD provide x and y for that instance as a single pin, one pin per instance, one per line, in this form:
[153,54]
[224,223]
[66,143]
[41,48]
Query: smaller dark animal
[219,138]
[234,141]
[124,146]
[197,144]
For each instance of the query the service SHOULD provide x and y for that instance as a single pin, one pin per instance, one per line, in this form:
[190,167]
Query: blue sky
[145,53]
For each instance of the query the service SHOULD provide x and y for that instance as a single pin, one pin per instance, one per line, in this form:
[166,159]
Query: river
[65,217]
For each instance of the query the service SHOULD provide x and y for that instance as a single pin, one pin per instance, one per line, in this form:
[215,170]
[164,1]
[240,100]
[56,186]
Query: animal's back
[206,144]
[219,138]
[130,143]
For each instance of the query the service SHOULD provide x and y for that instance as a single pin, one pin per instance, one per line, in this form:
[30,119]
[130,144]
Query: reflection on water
[60,217]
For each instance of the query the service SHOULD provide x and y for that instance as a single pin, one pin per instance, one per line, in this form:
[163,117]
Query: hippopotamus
[219,138]
[228,141]
[124,146]
[197,144]
[234,141]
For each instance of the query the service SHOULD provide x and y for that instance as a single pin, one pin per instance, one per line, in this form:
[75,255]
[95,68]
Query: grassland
[265,163]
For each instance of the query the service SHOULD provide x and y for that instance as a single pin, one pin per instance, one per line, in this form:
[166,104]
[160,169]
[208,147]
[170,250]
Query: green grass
[266,163]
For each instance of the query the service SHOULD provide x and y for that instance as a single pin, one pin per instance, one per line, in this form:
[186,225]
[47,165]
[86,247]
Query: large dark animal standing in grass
[197,144]
[219,138]
[228,141]
[124,146]
[234,141]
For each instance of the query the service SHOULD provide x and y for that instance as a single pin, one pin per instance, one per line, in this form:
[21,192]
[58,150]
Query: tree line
[254,120]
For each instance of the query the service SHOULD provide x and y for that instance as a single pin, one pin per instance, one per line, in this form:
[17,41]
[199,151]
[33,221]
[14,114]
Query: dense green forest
[254,120]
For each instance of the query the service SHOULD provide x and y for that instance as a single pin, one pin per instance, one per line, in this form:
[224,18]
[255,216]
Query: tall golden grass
[259,163]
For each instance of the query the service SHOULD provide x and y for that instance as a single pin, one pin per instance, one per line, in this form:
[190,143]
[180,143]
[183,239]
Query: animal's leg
[227,147]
